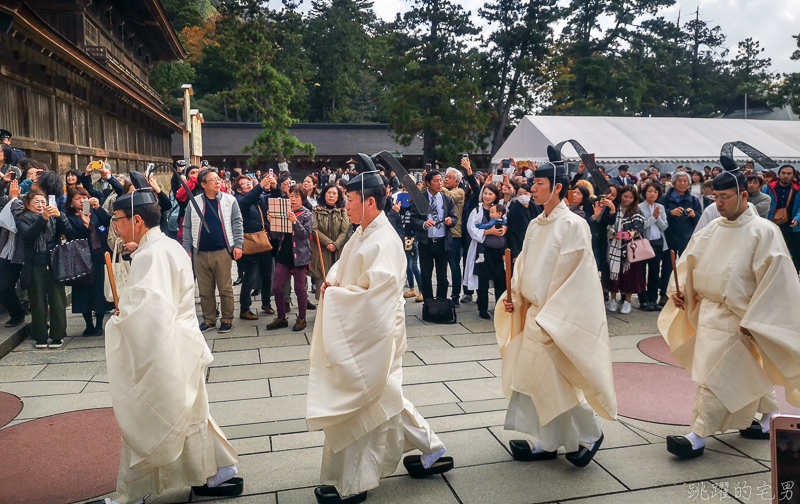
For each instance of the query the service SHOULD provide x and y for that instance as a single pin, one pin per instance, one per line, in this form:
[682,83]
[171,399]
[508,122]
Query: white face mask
[524,199]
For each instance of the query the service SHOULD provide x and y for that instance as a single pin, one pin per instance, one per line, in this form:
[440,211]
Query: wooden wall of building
[67,120]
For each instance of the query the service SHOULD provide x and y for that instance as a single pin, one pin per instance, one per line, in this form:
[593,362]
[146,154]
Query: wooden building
[74,81]
[223,144]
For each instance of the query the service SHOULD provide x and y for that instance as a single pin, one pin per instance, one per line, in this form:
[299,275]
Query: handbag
[439,311]
[255,243]
[408,243]
[72,262]
[781,216]
[640,250]
[119,267]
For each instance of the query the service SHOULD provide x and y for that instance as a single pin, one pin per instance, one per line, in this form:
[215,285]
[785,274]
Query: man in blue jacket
[784,208]
[683,213]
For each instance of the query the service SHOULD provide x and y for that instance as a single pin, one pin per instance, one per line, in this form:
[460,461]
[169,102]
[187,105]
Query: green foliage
[787,90]
[431,74]
[337,46]
[167,78]
[183,13]
[513,67]
[433,83]
[246,30]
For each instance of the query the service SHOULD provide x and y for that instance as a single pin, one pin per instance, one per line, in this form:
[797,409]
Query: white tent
[638,141]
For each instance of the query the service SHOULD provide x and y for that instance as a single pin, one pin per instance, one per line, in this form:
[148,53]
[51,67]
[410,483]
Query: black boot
[99,320]
[87,317]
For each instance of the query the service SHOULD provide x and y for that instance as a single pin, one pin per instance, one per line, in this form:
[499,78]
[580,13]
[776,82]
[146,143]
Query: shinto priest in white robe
[354,385]
[157,358]
[556,364]
[736,274]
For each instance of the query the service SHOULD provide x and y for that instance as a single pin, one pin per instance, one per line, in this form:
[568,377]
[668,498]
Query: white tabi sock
[537,448]
[223,475]
[109,501]
[429,460]
[697,441]
[765,420]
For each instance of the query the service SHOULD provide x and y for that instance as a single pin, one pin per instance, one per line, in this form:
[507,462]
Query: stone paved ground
[257,386]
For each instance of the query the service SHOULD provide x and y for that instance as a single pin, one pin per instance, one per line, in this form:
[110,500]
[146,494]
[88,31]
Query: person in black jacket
[434,235]
[474,182]
[254,207]
[683,213]
[41,227]
[89,296]
[392,210]
[600,220]
[520,213]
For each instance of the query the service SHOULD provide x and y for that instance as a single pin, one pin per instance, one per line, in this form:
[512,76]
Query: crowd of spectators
[475,216]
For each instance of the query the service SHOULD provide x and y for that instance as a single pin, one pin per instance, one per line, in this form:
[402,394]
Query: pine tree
[432,81]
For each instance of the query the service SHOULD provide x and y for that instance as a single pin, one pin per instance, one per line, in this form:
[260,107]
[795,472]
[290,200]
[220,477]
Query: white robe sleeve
[358,322]
[153,362]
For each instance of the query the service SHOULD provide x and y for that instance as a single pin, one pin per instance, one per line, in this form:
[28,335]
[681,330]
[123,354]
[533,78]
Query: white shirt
[439,230]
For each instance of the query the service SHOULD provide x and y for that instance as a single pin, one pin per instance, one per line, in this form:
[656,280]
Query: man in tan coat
[452,178]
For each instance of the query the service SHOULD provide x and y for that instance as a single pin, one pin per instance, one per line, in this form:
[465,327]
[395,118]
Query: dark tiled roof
[228,139]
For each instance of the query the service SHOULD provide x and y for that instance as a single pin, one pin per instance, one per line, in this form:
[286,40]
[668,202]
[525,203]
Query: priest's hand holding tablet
[509,306]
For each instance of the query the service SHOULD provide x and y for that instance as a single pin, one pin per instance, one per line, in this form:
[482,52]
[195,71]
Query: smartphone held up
[785,451]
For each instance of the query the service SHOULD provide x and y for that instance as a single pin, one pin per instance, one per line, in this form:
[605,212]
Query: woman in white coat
[655,222]
[489,196]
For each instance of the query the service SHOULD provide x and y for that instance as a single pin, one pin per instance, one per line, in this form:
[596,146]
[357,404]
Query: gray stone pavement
[257,385]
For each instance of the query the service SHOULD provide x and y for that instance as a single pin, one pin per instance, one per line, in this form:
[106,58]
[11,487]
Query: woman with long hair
[486,264]
[696,188]
[624,224]
[581,204]
[601,218]
[311,185]
[89,296]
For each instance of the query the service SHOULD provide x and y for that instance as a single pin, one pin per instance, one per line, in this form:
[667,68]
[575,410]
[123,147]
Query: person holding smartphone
[90,221]
[623,224]
[41,226]
[732,320]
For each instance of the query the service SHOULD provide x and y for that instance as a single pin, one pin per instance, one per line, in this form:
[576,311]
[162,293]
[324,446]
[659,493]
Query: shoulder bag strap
[263,226]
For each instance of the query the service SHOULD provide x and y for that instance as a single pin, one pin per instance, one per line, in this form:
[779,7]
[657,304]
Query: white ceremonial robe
[556,364]
[356,375]
[156,358]
[736,274]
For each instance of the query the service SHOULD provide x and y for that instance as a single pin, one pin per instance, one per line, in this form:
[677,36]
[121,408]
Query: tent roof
[651,139]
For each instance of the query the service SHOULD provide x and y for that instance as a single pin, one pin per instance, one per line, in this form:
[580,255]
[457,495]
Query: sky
[771,22]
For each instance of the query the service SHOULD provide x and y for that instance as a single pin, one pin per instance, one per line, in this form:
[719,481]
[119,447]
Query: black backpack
[439,311]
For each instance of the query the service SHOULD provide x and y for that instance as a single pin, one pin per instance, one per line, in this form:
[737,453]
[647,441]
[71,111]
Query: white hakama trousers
[204,451]
[359,466]
[710,416]
[569,429]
